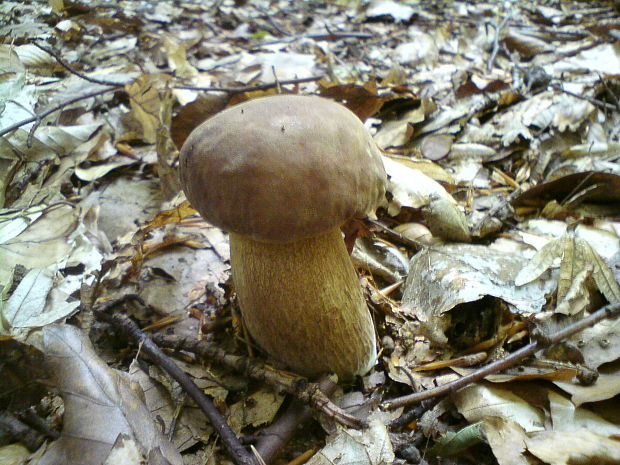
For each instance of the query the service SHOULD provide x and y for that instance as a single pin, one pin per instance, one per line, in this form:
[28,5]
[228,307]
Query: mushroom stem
[302,303]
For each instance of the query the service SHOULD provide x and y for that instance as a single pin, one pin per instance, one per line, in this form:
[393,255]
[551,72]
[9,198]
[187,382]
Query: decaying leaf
[577,298]
[599,344]
[148,94]
[574,447]
[444,276]
[86,383]
[567,417]
[44,242]
[26,304]
[477,402]
[436,147]
[574,191]
[507,440]
[125,451]
[606,387]
[390,8]
[479,106]
[446,221]
[47,242]
[363,100]
[410,187]
[14,454]
[383,259]
[574,255]
[454,442]
[371,446]
[178,413]
[257,409]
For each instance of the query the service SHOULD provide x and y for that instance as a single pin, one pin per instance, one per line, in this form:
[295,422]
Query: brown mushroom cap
[282,168]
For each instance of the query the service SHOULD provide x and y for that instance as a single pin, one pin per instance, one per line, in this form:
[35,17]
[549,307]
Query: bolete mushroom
[282,174]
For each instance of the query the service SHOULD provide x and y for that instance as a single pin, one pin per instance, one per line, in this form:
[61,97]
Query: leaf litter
[499,125]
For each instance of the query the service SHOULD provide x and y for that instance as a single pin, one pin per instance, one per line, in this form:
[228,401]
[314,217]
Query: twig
[239,454]
[32,419]
[273,438]
[49,111]
[395,235]
[15,430]
[269,16]
[498,31]
[238,90]
[231,90]
[298,386]
[412,414]
[339,35]
[323,36]
[276,80]
[593,101]
[503,204]
[273,24]
[608,311]
[609,92]
[72,70]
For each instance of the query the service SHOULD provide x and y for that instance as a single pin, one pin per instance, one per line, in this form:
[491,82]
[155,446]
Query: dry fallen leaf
[86,383]
[445,276]
[507,440]
[575,447]
[574,255]
[371,446]
[516,102]
[607,386]
[478,401]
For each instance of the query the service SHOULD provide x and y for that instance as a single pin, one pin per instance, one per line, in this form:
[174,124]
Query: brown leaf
[192,114]
[573,190]
[87,384]
[147,95]
[364,100]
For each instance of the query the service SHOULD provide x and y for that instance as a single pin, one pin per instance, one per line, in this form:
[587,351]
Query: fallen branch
[593,101]
[327,36]
[238,453]
[396,236]
[273,438]
[239,90]
[39,116]
[300,387]
[608,311]
[72,70]
[14,430]
[498,31]
[414,414]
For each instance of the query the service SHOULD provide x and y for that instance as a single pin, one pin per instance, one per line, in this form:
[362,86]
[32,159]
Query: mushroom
[282,174]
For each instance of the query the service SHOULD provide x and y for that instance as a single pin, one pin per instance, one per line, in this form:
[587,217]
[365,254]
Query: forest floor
[499,126]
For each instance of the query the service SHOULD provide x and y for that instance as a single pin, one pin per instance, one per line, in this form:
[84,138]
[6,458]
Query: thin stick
[297,386]
[608,311]
[238,90]
[14,429]
[412,415]
[49,111]
[72,70]
[337,35]
[498,31]
[273,438]
[593,101]
[238,453]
